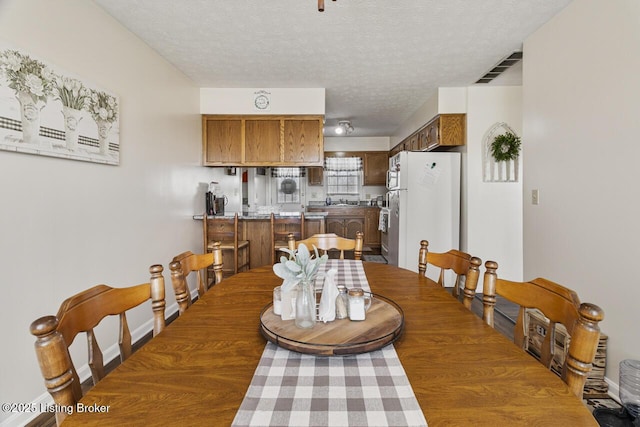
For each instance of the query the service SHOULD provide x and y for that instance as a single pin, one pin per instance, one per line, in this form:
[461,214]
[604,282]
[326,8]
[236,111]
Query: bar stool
[281,227]
[225,230]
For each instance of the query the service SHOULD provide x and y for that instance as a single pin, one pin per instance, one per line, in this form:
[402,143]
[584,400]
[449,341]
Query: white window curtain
[343,175]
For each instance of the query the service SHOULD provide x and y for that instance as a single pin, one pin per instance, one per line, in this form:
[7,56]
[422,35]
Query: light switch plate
[535,196]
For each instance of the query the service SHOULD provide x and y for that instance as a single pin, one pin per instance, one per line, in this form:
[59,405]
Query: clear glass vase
[306,304]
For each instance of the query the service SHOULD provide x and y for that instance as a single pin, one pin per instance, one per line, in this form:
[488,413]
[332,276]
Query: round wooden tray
[383,325]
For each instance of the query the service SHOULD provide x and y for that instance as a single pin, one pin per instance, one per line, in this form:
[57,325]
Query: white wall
[492,214]
[581,108]
[281,100]
[445,100]
[68,225]
[349,143]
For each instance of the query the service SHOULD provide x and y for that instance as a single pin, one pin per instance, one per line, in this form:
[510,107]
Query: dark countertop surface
[255,216]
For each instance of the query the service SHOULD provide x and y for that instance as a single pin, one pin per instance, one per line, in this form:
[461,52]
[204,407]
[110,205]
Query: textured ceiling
[378,60]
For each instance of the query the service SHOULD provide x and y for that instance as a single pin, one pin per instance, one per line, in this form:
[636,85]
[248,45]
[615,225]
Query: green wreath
[505,147]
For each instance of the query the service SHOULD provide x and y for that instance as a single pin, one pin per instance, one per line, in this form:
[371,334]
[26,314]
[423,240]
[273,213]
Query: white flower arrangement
[300,265]
[103,106]
[71,92]
[26,75]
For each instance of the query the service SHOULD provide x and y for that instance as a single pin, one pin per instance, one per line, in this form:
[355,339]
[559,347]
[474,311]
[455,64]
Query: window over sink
[343,175]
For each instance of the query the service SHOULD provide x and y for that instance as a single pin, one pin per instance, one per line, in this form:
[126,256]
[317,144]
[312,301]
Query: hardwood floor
[505,313]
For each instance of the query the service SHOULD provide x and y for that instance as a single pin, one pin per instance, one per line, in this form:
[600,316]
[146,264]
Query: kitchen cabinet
[303,141]
[222,140]
[347,221]
[258,231]
[413,143]
[375,165]
[423,138]
[444,130]
[315,175]
[372,236]
[344,226]
[398,148]
[262,140]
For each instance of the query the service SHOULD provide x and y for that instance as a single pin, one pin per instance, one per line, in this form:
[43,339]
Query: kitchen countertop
[255,216]
[307,215]
[338,207]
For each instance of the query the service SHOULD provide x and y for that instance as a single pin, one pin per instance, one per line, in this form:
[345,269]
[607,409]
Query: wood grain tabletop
[463,372]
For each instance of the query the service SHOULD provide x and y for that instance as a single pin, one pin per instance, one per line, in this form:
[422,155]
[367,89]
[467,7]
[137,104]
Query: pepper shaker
[342,303]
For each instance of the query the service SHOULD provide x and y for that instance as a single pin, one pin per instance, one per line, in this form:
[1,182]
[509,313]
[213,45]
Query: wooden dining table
[463,372]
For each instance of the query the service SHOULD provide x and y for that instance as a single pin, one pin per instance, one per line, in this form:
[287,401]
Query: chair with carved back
[561,306]
[330,241]
[203,265]
[462,264]
[281,227]
[226,231]
[82,313]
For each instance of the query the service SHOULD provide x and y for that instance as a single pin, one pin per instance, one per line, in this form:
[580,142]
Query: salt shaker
[342,303]
[356,304]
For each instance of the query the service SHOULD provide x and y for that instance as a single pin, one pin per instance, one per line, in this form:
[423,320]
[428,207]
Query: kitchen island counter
[256,228]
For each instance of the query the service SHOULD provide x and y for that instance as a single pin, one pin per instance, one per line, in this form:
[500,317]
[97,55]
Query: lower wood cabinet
[258,232]
[347,221]
[371,218]
[345,227]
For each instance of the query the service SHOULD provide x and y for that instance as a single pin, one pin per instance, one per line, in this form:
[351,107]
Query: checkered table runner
[294,389]
[350,274]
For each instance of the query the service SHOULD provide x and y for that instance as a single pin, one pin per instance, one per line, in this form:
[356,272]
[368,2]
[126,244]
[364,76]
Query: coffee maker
[214,203]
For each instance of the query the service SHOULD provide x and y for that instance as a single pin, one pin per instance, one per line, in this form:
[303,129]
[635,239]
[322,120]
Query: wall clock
[261,101]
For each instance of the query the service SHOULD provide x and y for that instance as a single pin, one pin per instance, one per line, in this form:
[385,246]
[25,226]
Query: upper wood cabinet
[222,141]
[261,141]
[315,175]
[375,166]
[303,141]
[444,130]
[257,140]
[398,148]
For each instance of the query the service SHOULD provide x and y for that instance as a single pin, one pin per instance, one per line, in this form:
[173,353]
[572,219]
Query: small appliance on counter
[215,202]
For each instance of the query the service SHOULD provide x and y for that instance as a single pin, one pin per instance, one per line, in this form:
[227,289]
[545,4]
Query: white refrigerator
[424,203]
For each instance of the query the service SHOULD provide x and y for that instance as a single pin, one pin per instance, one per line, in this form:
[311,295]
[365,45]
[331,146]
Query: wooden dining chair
[225,230]
[330,241]
[561,306]
[281,227]
[81,313]
[203,265]
[465,267]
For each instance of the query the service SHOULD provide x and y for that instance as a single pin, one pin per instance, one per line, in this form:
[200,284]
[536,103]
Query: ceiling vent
[501,67]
